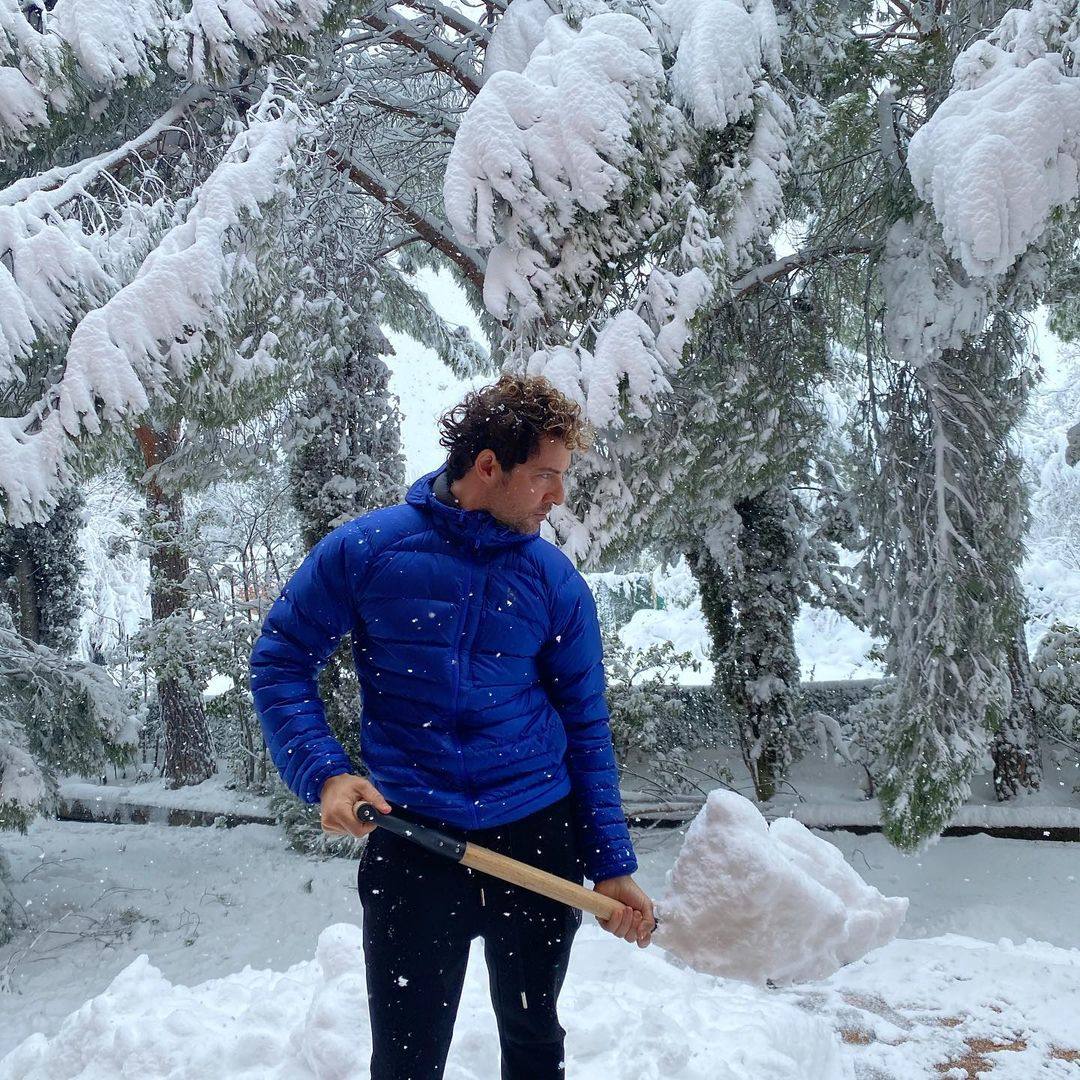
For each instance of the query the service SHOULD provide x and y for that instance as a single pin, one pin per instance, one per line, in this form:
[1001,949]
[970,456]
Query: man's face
[523,497]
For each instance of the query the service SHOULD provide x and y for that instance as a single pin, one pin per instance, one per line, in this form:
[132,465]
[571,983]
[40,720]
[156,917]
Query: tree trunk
[718,607]
[189,757]
[1016,747]
[768,665]
[750,612]
[29,623]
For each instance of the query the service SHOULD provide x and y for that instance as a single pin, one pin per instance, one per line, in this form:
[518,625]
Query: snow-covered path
[239,909]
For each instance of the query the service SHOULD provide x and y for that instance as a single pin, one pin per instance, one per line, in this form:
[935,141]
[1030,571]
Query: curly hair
[510,417]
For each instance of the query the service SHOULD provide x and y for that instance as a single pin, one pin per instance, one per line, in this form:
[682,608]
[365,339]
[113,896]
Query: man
[478,653]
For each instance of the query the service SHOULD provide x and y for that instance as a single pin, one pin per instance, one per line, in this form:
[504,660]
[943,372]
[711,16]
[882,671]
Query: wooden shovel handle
[539,881]
[492,863]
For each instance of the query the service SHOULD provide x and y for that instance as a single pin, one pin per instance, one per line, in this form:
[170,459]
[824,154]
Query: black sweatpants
[421,911]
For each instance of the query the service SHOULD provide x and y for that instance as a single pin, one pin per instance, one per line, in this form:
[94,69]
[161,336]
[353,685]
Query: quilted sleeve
[572,667]
[301,631]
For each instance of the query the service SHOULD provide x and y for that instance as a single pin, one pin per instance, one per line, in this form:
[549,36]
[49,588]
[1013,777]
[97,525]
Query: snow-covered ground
[253,969]
[215,795]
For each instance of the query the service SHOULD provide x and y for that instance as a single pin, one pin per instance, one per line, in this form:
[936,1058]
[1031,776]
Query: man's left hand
[636,921]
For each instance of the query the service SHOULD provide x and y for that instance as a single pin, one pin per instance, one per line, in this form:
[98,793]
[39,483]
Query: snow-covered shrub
[858,734]
[56,714]
[1056,678]
[12,916]
[649,725]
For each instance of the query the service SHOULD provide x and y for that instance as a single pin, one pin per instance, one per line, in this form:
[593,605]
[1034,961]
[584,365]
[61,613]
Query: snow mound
[311,1022]
[754,902]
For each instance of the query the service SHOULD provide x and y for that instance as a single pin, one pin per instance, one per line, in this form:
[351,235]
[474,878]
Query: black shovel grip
[424,835]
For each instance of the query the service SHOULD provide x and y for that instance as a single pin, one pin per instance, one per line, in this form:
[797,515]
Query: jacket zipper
[466,786]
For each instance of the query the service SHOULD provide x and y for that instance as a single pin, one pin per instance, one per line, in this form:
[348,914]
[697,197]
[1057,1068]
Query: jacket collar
[475,529]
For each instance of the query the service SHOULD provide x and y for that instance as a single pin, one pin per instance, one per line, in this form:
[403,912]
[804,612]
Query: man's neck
[464,494]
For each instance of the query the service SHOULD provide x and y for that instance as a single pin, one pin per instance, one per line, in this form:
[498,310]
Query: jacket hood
[475,529]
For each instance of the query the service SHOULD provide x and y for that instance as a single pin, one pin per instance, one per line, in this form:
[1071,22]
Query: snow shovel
[491,862]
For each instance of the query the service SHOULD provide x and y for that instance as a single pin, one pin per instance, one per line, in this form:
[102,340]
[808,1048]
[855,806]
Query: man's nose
[560,493]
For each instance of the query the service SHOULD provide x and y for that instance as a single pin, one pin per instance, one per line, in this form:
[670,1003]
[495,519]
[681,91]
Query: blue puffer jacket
[479,657]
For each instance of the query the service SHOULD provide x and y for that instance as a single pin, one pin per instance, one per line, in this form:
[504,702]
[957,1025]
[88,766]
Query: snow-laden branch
[45,682]
[213,39]
[148,333]
[538,147]
[89,49]
[631,356]
[722,52]
[928,308]
[111,42]
[516,34]
[51,269]
[1002,151]
[74,179]
[756,186]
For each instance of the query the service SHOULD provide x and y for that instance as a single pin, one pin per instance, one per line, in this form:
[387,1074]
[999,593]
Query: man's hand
[338,797]
[636,921]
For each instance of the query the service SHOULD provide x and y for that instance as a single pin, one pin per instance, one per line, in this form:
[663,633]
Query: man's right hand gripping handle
[338,797]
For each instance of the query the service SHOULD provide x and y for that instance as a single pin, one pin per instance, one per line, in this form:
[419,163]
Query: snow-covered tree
[40,571]
[1054,482]
[345,460]
[623,240]
[249,539]
[1056,676]
[59,713]
[150,153]
[961,244]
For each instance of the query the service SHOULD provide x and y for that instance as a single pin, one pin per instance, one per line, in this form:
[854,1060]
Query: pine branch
[800,260]
[441,13]
[440,55]
[441,123]
[70,181]
[125,351]
[468,260]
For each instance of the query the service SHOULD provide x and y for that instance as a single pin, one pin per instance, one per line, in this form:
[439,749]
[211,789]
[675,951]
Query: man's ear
[486,464]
